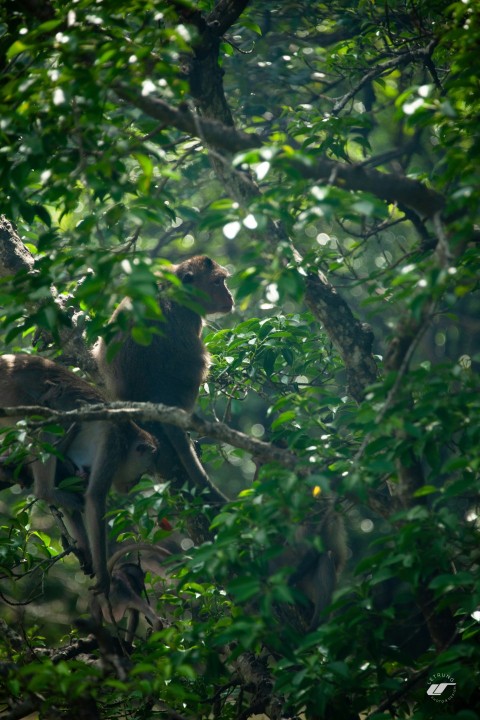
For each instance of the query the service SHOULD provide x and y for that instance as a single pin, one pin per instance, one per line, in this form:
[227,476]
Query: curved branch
[211,131]
[386,186]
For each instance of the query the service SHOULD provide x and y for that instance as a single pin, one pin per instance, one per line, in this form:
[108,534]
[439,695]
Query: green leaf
[250,25]
[18,47]
[141,335]
[425,490]
[269,361]
[283,419]
[244,589]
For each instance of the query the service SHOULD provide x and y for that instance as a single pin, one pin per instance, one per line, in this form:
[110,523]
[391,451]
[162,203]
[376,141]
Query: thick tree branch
[225,14]
[352,339]
[222,17]
[211,131]
[151,412]
[386,186]
[14,256]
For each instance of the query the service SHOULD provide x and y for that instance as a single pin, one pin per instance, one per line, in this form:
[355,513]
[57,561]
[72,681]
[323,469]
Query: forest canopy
[326,155]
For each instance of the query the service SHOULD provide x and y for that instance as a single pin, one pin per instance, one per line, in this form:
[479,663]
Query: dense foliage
[327,154]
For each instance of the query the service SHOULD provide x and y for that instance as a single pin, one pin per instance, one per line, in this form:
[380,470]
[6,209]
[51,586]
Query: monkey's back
[169,370]
[33,380]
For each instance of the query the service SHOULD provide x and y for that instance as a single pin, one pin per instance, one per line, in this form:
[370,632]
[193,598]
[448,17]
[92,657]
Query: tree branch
[14,256]
[211,131]
[148,412]
[221,18]
[386,186]
[352,339]
[398,61]
[226,13]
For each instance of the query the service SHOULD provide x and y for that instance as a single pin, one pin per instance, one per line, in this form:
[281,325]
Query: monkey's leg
[95,608]
[95,509]
[76,528]
[130,580]
[140,605]
[103,467]
[322,583]
[191,463]
[127,585]
[44,486]
[132,625]
[315,576]
[44,479]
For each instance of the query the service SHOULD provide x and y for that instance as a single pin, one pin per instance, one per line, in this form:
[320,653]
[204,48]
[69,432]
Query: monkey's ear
[188,278]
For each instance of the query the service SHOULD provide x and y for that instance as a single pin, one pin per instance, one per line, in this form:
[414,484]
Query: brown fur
[128,587]
[171,369]
[103,452]
[316,573]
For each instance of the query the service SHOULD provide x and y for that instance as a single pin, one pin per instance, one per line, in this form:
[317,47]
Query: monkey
[171,369]
[101,452]
[316,573]
[13,472]
[127,588]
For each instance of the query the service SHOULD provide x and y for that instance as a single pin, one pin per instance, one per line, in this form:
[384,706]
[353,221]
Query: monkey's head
[208,279]
[139,459]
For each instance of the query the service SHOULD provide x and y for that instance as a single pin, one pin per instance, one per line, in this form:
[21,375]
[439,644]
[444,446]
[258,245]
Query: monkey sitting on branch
[171,369]
[101,452]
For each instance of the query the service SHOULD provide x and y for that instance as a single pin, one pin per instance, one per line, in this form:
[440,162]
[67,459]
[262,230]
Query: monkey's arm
[44,475]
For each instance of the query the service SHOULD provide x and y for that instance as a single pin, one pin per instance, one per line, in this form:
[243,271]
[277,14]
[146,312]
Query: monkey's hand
[102,586]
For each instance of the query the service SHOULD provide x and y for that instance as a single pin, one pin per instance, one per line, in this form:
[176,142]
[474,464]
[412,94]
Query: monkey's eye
[188,277]
[219,281]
